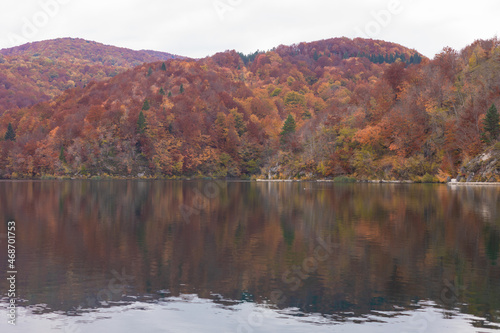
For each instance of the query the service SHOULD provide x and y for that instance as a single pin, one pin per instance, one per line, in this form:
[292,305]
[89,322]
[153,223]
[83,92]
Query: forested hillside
[364,108]
[39,71]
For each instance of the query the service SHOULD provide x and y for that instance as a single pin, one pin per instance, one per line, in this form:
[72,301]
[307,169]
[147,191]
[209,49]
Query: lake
[231,256]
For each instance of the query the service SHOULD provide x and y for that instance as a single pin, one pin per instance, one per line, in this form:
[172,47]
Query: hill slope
[39,71]
[351,107]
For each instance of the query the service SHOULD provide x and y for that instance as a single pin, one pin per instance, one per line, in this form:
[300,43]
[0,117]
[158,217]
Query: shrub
[344,179]
[429,179]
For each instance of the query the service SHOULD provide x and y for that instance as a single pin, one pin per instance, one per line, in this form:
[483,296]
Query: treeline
[415,59]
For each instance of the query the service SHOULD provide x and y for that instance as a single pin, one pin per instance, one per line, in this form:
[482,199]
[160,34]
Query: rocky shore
[483,168]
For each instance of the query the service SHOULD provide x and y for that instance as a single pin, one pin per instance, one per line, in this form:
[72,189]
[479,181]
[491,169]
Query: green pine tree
[417,59]
[163,67]
[181,89]
[62,158]
[288,129]
[150,71]
[10,135]
[145,105]
[141,123]
[169,94]
[162,92]
[491,124]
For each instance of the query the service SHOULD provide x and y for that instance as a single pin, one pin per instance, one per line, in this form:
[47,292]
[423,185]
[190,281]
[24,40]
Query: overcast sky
[197,28]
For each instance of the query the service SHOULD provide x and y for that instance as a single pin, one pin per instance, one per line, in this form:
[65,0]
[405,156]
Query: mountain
[39,71]
[366,108]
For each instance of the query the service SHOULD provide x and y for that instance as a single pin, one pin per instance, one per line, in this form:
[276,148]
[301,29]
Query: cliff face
[483,168]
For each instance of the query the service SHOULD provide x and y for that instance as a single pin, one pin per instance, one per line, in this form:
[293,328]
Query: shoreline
[473,183]
[352,181]
[339,182]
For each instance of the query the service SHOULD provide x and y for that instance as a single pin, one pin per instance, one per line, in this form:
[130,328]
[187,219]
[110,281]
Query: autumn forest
[357,108]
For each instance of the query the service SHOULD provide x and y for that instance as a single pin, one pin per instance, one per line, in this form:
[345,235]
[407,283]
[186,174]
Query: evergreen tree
[181,89]
[417,59]
[163,67]
[315,56]
[141,123]
[162,92]
[249,57]
[491,124]
[10,135]
[62,158]
[145,106]
[169,94]
[150,71]
[288,129]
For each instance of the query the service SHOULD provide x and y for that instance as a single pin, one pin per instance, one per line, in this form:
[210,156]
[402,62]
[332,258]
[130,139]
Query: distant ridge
[39,71]
[69,46]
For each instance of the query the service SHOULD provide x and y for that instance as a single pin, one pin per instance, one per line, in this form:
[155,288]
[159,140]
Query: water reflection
[320,248]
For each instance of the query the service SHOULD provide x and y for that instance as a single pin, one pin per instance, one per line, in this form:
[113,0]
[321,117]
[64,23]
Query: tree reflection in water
[394,245]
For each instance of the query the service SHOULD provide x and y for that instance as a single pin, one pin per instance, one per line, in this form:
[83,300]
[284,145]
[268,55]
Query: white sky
[197,28]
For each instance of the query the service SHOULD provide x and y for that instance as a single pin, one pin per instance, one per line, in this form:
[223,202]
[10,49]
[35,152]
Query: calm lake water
[202,256]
